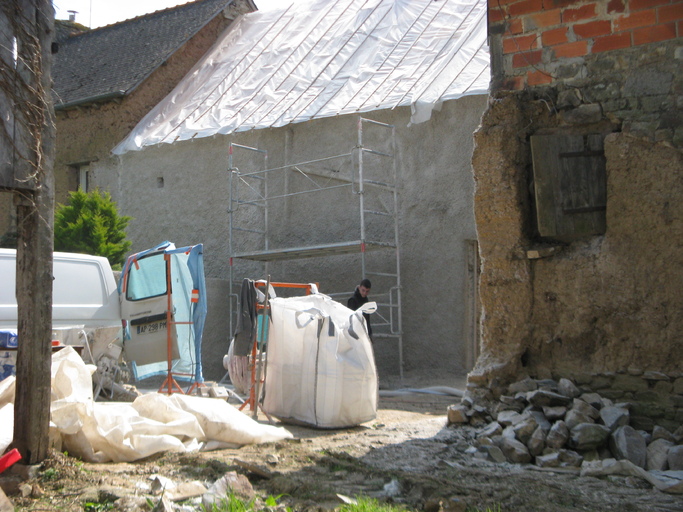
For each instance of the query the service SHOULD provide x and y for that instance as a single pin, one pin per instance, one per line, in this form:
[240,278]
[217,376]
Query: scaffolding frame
[254,190]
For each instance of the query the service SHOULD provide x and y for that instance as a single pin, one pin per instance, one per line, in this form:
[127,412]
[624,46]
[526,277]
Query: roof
[322,58]
[113,60]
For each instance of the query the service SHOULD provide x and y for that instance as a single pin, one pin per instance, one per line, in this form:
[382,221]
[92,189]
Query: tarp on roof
[323,58]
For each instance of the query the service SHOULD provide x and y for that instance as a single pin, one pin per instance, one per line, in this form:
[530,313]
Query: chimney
[72,15]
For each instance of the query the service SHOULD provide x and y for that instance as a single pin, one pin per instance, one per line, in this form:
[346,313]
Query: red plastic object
[9,458]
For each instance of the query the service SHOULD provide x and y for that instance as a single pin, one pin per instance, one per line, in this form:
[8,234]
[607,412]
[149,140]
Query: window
[570,185]
[147,278]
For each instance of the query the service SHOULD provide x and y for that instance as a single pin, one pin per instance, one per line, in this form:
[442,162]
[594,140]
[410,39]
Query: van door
[145,308]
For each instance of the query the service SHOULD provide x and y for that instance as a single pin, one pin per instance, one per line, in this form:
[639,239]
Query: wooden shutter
[570,185]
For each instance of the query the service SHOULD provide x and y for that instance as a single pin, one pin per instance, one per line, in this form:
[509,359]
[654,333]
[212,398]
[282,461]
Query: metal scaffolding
[261,200]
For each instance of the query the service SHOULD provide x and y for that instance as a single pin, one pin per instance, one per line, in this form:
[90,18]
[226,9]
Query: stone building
[578,170]
[107,79]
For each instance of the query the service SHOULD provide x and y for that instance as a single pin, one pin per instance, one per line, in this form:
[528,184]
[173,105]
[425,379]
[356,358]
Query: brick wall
[535,39]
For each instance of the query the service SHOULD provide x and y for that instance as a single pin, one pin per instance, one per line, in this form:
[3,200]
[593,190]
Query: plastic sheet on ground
[123,432]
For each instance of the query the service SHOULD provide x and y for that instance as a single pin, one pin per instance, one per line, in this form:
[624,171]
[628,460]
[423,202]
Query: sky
[97,13]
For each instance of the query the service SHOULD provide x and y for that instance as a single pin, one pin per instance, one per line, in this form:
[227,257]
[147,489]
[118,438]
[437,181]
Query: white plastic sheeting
[121,432]
[323,58]
[320,367]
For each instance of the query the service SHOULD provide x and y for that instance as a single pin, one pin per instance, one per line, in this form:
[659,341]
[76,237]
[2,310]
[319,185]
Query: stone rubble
[556,425]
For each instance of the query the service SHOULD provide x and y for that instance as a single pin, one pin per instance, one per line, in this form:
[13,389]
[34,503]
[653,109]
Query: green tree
[91,224]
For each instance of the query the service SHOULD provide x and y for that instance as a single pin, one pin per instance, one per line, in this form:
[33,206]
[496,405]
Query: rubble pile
[556,424]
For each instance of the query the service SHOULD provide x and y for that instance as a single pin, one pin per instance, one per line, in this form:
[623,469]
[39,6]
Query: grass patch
[364,504]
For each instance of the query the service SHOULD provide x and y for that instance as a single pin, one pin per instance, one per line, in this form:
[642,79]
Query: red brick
[569,50]
[554,36]
[593,29]
[585,12]
[637,5]
[639,19]
[514,83]
[538,78]
[496,15]
[515,26]
[679,26]
[653,34]
[525,7]
[613,42]
[670,13]
[542,19]
[615,6]
[496,3]
[522,60]
[519,44]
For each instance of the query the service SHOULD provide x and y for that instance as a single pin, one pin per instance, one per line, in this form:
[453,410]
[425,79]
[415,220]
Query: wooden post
[27,81]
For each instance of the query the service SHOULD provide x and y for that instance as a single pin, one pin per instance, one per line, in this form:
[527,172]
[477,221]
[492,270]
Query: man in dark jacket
[360,297]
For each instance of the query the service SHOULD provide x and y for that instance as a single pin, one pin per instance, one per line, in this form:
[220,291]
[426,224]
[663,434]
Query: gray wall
[180,192]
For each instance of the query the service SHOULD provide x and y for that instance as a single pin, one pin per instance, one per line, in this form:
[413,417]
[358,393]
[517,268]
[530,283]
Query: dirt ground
[407,455]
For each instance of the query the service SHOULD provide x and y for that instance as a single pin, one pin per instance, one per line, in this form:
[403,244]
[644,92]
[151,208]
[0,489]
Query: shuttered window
[570,185]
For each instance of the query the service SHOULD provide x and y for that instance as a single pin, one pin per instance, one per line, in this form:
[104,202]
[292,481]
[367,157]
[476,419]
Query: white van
[83,293]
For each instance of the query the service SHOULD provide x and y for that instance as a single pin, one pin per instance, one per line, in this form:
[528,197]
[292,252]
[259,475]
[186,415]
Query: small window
[147,278]
[570,185]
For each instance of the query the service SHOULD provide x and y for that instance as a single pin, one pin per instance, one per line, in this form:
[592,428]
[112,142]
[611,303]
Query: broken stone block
[494,454]
[522,386]
[626,443]
[568,388]
[614,417]
[657,452]
[575,417]
[585,408]
[554,413]
[592,399]
[570,458]
[588,436]
[525,429]
[661,433]
[515,451]
[675,458]
[541,398]
[492,429]
[547,385]
[558,435]
[231,482]
[541,420]
[536,443]
[508,432]
[457,414]
[551,460]
[506,418]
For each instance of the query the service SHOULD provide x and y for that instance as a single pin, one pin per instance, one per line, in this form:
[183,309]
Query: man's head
[364,287]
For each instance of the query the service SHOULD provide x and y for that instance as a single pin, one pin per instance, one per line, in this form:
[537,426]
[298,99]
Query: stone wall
[601,309]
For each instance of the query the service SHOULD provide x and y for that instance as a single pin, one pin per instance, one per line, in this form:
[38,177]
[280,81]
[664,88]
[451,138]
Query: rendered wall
[179,192]
[602,309]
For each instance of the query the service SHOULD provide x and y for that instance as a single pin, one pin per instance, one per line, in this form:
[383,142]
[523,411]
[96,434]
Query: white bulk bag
[320,367]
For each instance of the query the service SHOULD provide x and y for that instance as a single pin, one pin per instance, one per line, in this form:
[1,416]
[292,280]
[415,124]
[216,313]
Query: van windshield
[147,278]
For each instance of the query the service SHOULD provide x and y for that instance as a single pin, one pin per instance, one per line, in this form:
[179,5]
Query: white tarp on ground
[320,366]
[324,58]
[123,432]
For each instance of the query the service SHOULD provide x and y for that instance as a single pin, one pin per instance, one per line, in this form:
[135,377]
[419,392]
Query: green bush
[90,224]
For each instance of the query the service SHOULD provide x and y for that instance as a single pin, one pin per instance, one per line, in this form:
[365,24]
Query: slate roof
[112,61]
[325,58]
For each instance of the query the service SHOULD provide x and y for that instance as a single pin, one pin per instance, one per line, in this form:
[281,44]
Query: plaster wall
[180,192]
[603,305]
